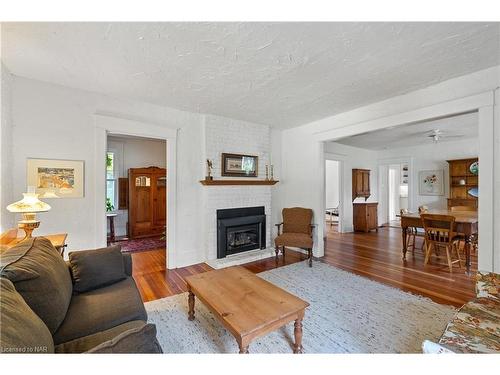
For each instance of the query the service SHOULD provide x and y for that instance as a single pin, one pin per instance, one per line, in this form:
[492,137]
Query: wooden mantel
[238,182]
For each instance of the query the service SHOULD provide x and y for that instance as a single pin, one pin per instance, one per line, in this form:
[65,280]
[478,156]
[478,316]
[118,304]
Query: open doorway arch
[484,104]
[105,125]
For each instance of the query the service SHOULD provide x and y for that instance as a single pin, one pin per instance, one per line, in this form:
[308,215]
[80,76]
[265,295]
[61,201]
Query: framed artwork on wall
[431,182]
[56,178]
[236,165]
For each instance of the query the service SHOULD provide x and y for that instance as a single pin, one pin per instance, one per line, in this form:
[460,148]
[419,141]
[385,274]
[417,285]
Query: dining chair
[422,209]
[463,208]
[413,232]
[440,233]
[475,238]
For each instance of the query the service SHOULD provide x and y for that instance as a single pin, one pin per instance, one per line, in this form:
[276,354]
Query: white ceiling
[281,74]
[454,128]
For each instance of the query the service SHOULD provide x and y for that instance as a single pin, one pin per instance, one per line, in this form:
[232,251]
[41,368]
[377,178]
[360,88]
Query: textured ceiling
[454,128]
[281,74]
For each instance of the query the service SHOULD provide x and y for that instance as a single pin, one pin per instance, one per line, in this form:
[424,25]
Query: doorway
[136,192]
[332,196]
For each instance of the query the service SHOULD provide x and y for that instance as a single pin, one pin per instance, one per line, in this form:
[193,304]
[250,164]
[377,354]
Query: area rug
[347,314]
[141,244]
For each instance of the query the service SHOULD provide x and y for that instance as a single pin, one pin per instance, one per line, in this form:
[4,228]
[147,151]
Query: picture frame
[431,182]
[54,178]
[239,165]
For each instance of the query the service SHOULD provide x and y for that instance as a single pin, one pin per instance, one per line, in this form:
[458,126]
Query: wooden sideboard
[360,183]
[365,216]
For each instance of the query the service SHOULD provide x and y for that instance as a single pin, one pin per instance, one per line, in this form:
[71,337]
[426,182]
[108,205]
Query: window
[110,182]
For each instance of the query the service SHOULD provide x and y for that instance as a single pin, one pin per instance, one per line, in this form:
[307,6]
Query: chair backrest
[297,220]
[438,228]
[463,208]
[422,209]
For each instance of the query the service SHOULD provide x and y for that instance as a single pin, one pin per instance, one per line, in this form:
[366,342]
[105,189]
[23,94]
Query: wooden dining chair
[413,233]
[475,238]
[440,233]
[463,208]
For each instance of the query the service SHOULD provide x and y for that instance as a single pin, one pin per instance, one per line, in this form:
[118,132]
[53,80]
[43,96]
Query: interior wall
[7,220]
[433,156]
[134,153]
[60,124]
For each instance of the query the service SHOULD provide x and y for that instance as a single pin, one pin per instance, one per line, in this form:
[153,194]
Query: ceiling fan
[437,135]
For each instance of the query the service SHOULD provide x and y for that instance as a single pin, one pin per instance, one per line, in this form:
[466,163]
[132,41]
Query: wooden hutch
[463,182]
[364,213]
[147,201]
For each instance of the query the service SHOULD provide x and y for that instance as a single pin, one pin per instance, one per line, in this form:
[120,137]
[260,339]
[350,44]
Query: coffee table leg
[191,305]
[244,349]
[297,347]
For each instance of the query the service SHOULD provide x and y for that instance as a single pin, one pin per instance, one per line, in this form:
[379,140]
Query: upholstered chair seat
[294,240]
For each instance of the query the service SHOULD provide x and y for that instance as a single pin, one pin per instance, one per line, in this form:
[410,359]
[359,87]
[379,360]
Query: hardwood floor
[373,255]
[155,281]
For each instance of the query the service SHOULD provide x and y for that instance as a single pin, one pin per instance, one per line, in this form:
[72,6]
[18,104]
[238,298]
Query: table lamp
[29,206]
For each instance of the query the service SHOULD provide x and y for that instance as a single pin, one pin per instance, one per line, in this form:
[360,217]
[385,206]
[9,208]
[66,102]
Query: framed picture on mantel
[237,165]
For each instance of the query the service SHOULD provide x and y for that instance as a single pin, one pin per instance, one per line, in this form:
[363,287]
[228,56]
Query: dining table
[466,223]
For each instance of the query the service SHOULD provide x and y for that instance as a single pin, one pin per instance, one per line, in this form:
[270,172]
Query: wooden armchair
[297,231]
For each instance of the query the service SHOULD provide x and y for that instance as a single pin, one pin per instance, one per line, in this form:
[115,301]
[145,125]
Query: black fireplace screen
[240,229]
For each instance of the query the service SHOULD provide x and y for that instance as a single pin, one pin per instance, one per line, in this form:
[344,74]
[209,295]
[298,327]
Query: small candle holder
[272,173]
[267,172]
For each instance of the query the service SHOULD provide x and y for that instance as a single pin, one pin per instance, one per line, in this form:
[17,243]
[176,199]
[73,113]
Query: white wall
[60,124]
[354,158]
[6,193]
[331,183]
[433,156]
[134,153]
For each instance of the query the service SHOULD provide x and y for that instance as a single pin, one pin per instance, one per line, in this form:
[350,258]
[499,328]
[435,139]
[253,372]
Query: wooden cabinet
[147,201]
[360,183]
[464,178]
[365,217]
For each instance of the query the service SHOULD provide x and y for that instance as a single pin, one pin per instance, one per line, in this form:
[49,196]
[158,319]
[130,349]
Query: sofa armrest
[136,340]
[91,269]
[127,263]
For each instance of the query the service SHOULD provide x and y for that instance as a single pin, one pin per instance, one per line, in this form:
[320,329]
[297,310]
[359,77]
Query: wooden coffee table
[248,306]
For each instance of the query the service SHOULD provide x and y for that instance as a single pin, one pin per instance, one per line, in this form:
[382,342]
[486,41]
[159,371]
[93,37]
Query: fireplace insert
[240,229]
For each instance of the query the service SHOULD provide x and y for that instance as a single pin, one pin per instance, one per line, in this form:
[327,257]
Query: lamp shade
[30,203]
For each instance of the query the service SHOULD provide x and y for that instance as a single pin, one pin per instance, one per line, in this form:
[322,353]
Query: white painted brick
[240,137]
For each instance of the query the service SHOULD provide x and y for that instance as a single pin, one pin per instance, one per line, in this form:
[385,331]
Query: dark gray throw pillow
[92,269]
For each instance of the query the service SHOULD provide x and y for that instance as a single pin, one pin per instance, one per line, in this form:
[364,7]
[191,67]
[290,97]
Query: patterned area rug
[141,244]
[348,314]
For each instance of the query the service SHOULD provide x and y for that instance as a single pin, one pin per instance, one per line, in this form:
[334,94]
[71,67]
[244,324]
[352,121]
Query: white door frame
[411,181]
[340,159]
[484,103]
[105,125]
